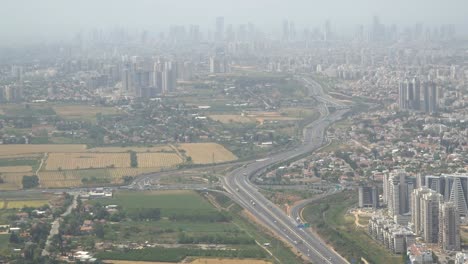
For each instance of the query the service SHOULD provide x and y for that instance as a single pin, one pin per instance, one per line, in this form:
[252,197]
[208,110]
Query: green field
[19,162]
[238,234]
[168,201]
[4,238]
[178,254]
[327,216]
[187,218]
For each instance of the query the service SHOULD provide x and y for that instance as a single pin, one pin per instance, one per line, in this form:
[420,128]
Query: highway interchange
[239,187]
[238,184]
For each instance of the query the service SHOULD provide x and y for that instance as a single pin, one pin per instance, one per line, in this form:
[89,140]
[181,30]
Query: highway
[239,187]
[244,192]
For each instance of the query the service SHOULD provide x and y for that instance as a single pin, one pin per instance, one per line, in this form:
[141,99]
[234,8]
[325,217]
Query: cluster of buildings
[140,80]
[418,97]
[420,210]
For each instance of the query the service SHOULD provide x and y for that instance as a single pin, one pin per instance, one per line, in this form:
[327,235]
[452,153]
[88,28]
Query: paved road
[54,230]
[247,195]
[238,184]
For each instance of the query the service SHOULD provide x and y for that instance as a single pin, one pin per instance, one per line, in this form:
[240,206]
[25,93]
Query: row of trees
[201,217]
[215,239]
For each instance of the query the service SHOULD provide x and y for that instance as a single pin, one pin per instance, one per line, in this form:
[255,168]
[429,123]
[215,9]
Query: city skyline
[51,19]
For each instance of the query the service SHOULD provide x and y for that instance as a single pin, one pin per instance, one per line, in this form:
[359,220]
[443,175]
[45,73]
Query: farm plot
[12,180]
[152,160]
[226,119]
[72,161]
[73,178]
[205,153]
[83,112]
[136,149]
[15,169]
[15,149]
[229,261]
[26,203]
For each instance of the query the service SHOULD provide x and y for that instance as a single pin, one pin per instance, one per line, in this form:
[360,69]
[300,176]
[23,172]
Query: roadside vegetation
[328,217]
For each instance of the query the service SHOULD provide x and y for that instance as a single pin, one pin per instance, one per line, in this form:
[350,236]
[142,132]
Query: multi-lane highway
[238,184]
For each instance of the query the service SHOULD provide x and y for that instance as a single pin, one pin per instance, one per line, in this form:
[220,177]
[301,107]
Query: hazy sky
[20,19]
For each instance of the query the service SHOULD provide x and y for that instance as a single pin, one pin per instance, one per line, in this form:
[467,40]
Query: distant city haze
[26,20]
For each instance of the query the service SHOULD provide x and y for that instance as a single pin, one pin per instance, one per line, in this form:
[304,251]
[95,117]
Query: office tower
[219,64]
[435,183]
[454,188]
[219,32]
[194,33]
[433,98]
[185,71]
[214,65]
[430,97]
[409,94]
[378,30]
[430,216]
[385,188]
[458,193]
[399,192]
[286,30]
[449,227]
[327,31]
[13,93]
[169,77]
[368,197]
[416,208]
[415,105]
[402,96]
[292,31]
[127,81]
[17,72]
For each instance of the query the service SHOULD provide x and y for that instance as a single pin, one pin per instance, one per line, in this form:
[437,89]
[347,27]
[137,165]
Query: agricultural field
[297,112]
[12,180]
[15,169]
[72,161]
[18,204]
[226,119]
[228,261]
[15,149]
[205,153]
[83,112]
[71,165]
[152,160]
[134,262]
[73,178]
[165,200]
[187,223]
[136,149]
[187,220]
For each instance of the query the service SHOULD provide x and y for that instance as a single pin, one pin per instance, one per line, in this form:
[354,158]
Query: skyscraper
[327,31]
[430,97]
[400,186]
[219,32]
[449,227]
[416,103]
[430,216]
[454,188]
[409,93]
[127,80]
[286,30]
[416,209]
[402,96]
[368,196]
